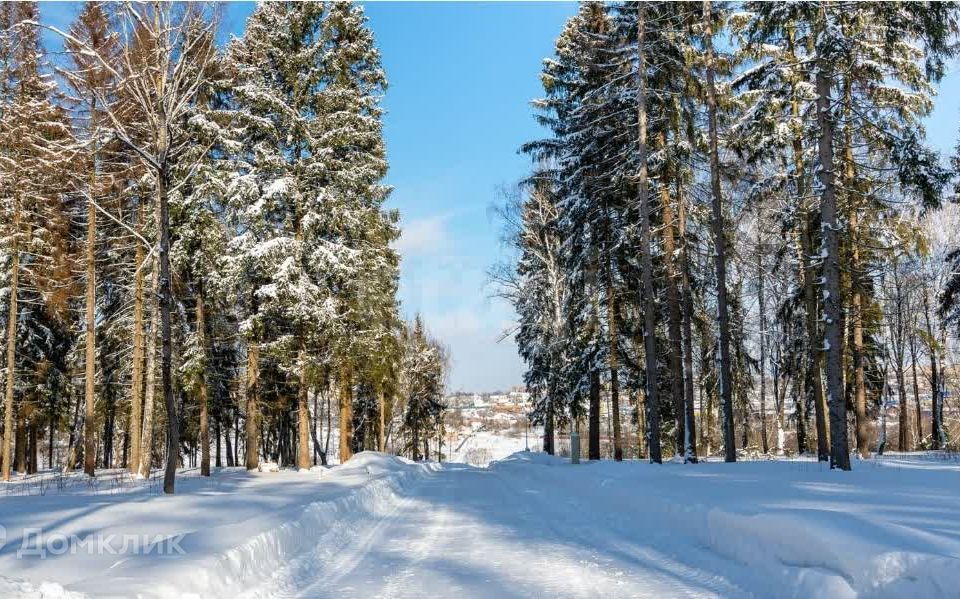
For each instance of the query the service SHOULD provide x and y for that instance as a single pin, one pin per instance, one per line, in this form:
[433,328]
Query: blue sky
[461,79]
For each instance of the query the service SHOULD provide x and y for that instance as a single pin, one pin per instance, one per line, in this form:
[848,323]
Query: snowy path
[474,532]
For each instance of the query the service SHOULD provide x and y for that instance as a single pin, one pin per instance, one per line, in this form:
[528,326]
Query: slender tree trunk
[548,426]
[646,262]
[32,466]
[673,306]
[594,415]
[20,451]
[813,384]
[108,427]
[204,389]
[382,429]
[839,452]
[71,457]
[761,301]
[51,430]
[934,375]
[612,332]
[236,439]
[11,342]
[690,447]
[149,398]
[218,435]
[317,418]
[166,375]
[346,417]
[228,448]
[720,257]
[136,394]
[326,441]
[856,288]
[778,400]
[253,389]
[303,417]
[904,423]
[89,432]
[916,386]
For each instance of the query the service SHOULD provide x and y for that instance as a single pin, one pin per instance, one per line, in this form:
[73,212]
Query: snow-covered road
[473,532]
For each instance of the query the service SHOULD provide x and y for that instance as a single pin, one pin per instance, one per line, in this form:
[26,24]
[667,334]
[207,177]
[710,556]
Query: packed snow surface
[529,525]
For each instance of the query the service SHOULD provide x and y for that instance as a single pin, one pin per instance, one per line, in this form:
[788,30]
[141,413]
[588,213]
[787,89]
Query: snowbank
[887,529]
[523,458]
[24,590]
[223,547]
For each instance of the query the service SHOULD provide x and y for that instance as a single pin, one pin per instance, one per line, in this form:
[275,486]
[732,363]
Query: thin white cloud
[423,236]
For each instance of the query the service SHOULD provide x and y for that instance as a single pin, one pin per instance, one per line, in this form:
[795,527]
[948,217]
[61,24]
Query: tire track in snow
[396,584]
[350,556]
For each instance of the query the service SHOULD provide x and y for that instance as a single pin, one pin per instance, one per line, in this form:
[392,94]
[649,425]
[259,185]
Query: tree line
[195,251]
[734,220]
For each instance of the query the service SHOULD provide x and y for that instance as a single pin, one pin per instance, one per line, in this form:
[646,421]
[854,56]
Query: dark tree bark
[856,289]
[548,426]
[720,257]
[612,332]
[204,389]
[5,459]
[761,299]
[813,385]
[166,348]
[594,416]
[673,305]
[690,453]
[646,262]
[936,424]
[839,453]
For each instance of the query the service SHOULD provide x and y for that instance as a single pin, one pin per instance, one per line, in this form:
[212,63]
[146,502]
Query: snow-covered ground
[528,525]
[479,448]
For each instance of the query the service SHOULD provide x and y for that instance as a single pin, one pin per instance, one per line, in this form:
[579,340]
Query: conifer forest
[195,248]
[735,227]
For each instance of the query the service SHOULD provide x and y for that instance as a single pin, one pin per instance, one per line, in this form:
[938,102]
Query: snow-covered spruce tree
[558,294]
[542,285]
[671,109]
[315,248]
[424,366]
[366,275]
[640,33]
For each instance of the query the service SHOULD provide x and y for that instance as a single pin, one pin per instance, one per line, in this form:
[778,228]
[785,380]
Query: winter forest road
[474,532]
